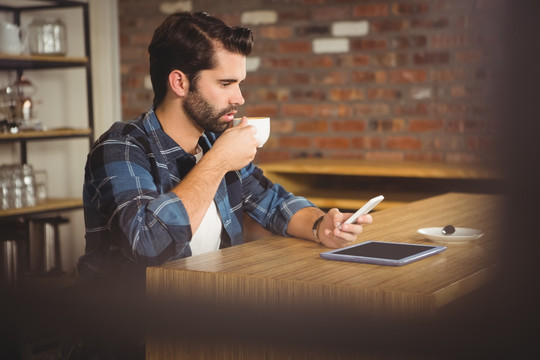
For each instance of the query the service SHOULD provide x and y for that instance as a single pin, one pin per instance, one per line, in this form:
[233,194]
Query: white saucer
[462,235]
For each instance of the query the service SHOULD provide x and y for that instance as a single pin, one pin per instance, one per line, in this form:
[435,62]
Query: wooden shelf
[347,184]
[50,205]
[14,62]
[382,169]
[45,135]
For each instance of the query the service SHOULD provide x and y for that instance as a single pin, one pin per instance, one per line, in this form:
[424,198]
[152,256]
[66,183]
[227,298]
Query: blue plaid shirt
[132,218]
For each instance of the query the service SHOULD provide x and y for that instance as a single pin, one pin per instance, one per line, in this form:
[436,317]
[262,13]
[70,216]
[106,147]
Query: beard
[204,114]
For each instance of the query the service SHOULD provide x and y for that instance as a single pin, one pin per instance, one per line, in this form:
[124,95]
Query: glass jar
[47,36]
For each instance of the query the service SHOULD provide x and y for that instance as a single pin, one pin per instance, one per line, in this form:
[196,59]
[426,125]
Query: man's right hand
[236,147]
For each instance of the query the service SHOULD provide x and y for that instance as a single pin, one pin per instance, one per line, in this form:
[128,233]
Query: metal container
[12,252]
[13,248]
[45,245]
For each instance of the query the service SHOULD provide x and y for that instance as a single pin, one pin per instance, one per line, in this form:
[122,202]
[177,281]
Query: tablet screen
[382,250]
[383,253]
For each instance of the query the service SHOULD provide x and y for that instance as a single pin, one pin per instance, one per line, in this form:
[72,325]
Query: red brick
[378,77]
[411,109]
[450,40]
[367,142]
[407,42]
[421,23]
[384,156]
[316,62]
[408,76]
[300,110]
[331,13]
[276,32]
[332,78]
[346,94]
[392,59]
[368,44]
[423,125]
[348,125]
[292,47]
[353,60]
[312,126]
[449,75]
[449,109]
[261,110]
[317,30]
[281,126]
[299,14]
[334,110]
[295,142]
[278,63]
[387,125]
[268,95]
[431,58]
[403,143]
[371,10]
[302,78]
[257,78]
[410,8]
[383,93]
[389,25]
[308,94]
[376,109]
[332,143]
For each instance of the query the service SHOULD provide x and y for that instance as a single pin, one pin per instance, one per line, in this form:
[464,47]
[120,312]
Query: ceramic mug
[10,38]
[262,124]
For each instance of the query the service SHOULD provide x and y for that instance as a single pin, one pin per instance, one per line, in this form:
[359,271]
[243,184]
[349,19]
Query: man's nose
[237,98]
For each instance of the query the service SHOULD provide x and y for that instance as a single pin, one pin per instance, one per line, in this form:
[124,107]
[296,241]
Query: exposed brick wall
[383,80]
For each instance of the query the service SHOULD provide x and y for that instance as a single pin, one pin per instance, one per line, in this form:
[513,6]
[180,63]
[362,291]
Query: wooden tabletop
[289,271]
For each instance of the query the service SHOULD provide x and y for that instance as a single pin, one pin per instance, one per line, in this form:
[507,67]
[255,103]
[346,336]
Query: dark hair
[187,42]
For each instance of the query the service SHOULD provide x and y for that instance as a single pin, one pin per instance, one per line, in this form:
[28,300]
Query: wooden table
[287,272]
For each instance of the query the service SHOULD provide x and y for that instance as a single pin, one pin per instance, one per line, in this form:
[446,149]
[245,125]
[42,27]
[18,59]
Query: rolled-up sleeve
[269,203]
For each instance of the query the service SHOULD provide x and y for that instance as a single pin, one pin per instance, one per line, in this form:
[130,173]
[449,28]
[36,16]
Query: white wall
[61,101]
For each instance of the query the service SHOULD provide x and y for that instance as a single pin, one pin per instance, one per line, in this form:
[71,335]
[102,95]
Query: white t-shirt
[208,236]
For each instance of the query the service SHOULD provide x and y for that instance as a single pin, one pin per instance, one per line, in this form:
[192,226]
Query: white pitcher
[10,38]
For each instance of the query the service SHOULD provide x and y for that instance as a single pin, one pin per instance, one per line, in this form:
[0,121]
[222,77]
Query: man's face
[212,102]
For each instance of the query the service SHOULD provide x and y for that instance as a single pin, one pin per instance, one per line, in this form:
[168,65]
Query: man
[176,181]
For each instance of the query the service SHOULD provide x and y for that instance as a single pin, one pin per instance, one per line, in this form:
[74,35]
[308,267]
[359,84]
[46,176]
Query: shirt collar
[168,148]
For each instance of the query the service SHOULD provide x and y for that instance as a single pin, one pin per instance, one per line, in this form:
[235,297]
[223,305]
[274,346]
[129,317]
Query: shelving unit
[21,63]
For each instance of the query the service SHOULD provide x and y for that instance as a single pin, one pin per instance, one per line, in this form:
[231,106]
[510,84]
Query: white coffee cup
[262,124]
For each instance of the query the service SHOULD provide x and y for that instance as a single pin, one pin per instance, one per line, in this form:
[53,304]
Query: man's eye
[225,83]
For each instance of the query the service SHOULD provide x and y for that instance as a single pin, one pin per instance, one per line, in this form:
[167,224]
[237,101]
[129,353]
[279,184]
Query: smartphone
[364,209]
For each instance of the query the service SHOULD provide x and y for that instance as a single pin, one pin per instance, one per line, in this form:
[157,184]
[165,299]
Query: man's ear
[178,83]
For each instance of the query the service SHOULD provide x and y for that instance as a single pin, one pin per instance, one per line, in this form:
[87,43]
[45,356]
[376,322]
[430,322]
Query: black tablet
[383,253]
